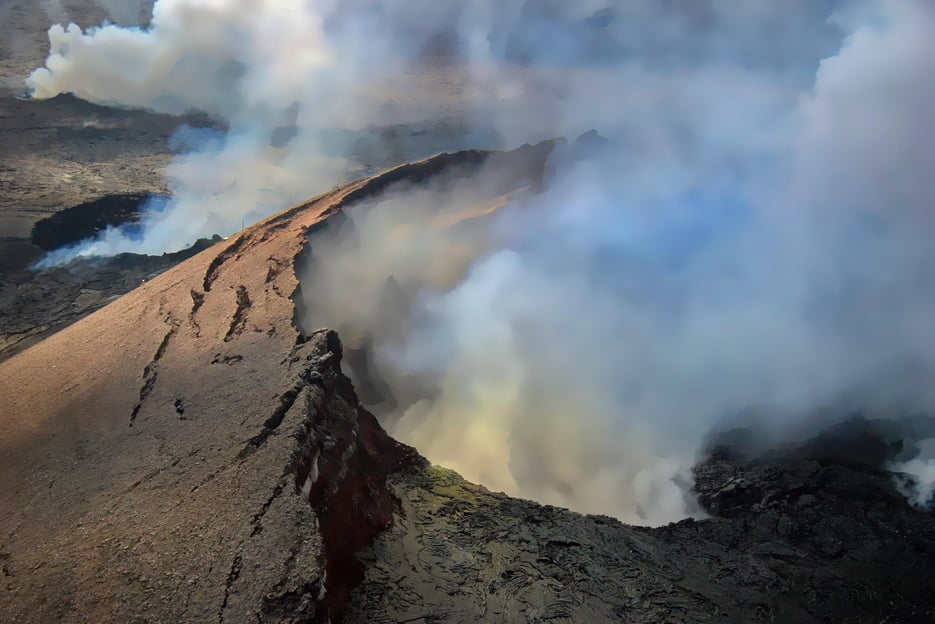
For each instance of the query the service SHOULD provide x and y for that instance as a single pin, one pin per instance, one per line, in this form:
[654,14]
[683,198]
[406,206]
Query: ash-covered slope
[189,454]
[34,305]
[184,453]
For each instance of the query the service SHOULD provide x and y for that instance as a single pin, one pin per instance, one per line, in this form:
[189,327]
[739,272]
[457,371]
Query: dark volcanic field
[35,303]
[59,154]
[63,152]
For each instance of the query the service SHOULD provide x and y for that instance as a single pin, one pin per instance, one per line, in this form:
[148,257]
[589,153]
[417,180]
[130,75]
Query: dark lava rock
[35,304]
[77,223]
[803,534]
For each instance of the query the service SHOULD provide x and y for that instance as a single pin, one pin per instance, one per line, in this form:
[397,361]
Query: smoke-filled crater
[492,318]
[744,243]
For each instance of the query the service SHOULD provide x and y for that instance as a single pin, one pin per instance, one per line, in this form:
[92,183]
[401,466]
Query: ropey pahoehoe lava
[613,311]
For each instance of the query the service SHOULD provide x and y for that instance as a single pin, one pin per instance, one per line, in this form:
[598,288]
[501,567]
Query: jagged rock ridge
[152,451]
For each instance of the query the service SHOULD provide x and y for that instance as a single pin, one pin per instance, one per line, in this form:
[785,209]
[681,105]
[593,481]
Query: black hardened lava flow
[88,219]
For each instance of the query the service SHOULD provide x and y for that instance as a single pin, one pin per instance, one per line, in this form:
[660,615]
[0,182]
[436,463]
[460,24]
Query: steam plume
[754,242]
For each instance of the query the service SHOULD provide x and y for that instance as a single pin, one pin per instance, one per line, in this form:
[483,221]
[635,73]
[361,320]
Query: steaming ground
[753,243]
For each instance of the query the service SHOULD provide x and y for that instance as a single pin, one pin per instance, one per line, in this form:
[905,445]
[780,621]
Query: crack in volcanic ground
[286,401]
[239,318]
[198,300]
[232,577]
[151,371]
[213,269]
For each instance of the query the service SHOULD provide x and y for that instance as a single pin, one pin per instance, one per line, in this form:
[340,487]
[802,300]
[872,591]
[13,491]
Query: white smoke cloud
[247,68]
[753,241]
[920,471]
[223,58]
[339,78]
[303,109]
[745,263]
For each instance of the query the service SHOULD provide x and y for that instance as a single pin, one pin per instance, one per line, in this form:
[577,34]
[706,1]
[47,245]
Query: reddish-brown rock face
[343,472]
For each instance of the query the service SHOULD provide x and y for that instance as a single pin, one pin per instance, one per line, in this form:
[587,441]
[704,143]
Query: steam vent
[605,311]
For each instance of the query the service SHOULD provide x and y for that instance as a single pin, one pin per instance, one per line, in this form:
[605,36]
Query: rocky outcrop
[267,533]
[806,534]
[341,465]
